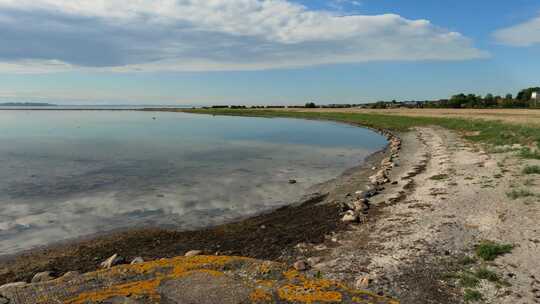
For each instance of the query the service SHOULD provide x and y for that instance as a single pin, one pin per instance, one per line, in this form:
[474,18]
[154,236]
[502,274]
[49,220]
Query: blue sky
[264,52]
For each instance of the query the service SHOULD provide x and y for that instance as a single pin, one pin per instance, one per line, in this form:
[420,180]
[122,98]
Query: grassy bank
[485,131]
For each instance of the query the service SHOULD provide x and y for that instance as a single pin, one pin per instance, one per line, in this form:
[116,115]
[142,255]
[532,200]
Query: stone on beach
[137,260]
[114,260]
[300,265]
[350,217]
[193,253]
[42,277]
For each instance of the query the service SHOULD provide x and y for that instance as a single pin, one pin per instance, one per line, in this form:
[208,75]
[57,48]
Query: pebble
[292,181]
[314,260]
[349,217]
[362,283]
[137,260]
[112,261]
[71,274]
[42,277]
[300,265]
[193,253]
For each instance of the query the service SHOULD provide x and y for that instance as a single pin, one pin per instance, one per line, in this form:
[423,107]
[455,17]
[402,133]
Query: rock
[137,260]
[360,194]
[70,275]
[349,217]
[112,261]
[292,181]
[362,283]
[4,300]
[204,288]
[300,265]
[314,260]
[42,277]
[262,227]
[13,285]
[320,247]
[193,253]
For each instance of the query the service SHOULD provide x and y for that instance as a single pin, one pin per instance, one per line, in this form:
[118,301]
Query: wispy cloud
[520,35]
[206,35]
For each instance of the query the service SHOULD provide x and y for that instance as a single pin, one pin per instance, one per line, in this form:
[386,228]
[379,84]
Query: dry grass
[514,116]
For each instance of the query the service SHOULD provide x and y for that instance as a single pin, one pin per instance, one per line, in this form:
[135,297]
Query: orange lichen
[295,293]
[260,295]
[146,288]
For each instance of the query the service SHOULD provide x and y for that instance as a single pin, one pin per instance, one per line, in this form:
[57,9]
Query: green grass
[466,260]
[519,193]
[472,295]
[439,177]
[489,251]
[495,133]
[486,274]
[531,170]
[468,280]
[528,153]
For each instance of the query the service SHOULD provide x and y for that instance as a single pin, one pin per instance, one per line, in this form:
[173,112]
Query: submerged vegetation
[491,132]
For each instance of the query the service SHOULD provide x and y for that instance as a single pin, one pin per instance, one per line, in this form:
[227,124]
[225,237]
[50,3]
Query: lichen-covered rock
[198,279]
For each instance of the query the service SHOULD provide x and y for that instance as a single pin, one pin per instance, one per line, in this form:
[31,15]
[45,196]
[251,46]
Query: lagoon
[66,174]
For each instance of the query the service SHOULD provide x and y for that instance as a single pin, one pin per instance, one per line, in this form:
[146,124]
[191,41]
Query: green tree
[525,95]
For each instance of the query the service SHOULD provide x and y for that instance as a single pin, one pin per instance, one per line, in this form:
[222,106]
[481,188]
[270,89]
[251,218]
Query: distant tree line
[522,100]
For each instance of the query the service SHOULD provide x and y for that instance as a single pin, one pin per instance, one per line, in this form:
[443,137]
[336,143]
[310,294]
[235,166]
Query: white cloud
[201,35]
[520,35]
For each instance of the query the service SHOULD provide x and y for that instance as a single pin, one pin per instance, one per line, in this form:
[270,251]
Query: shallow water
[65,174]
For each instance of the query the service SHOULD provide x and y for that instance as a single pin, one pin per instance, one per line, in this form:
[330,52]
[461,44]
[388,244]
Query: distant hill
[26,104]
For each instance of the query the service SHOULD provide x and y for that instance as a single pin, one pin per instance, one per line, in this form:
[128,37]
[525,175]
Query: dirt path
[449,197]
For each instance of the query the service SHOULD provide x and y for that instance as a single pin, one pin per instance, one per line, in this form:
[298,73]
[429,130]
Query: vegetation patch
[519,193]
[472,295]
[529,153]
[486,274]
[468,280]
[532,170]
[439,177]
[489,251]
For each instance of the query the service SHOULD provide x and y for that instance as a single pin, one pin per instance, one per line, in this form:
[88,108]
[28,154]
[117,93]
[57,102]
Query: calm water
[65,174]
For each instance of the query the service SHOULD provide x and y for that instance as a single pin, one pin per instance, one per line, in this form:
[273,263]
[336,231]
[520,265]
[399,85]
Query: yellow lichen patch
[260,296]
[144,288]
[295,293]
[292,274]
